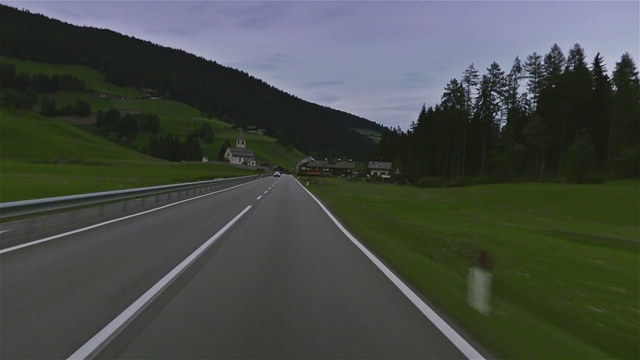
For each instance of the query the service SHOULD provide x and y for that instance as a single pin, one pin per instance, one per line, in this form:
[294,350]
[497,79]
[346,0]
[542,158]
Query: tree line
[170,148]
[126,128]
[49,108]
[127,125]
[20,90]
[229,94]
[549,116]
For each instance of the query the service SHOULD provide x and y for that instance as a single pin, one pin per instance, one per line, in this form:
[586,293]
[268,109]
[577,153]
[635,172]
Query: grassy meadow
[565,258]
[41,157]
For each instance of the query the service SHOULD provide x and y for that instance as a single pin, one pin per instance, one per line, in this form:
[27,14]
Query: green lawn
[30,137]
[566,258]
[21,181]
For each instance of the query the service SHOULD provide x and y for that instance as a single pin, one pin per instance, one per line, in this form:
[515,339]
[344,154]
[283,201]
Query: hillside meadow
[175,117]
[565,258]
[41,157]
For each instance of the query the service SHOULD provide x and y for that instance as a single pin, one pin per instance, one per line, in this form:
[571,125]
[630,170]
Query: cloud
[413,107]
[324,83]
[251,15]
[264,63]
[325,98]
[413,79]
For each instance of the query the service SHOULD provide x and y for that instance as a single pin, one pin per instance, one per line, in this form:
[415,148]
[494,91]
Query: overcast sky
[378,60]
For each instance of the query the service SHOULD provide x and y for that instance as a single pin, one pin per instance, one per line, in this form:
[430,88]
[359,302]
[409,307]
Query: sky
[376,59]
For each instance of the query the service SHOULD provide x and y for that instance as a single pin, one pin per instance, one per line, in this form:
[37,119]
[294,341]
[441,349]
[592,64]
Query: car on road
[276,174]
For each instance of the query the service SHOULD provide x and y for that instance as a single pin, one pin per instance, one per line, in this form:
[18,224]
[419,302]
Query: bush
[627,163]
[431,182]
[580,164]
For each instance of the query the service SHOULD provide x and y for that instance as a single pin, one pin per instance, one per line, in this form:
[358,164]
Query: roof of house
[378,165]
[241,152]
[305,161]
[331,164]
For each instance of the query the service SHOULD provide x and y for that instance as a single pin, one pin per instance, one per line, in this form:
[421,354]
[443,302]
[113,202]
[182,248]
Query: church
[240,155]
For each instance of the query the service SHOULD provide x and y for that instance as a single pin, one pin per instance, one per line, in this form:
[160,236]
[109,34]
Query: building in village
[379,169]
[240,155]
[310,166]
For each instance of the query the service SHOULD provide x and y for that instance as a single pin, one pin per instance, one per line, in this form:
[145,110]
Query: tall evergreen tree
[551,104]
[535,73]
[516,117]
[581,160]
[625,118]
[577,96]
[600,111]
[454,113]
[470,81]
[488,110]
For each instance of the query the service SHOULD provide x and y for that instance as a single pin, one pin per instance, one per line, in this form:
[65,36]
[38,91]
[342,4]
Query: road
[274,277]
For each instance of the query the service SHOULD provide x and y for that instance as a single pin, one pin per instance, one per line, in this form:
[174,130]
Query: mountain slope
[232,95]
[175,117]
[30,137]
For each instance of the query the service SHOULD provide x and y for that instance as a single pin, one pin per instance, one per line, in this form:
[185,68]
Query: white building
[377,168]
[240,155]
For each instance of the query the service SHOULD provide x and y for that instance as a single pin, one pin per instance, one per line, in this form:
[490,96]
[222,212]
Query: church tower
[240,142]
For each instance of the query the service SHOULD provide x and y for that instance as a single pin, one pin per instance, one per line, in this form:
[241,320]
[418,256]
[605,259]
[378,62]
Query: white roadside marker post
[479,285]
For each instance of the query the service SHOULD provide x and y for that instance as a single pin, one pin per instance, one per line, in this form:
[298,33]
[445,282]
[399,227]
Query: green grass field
[566,258]
[41,157]
[21,181]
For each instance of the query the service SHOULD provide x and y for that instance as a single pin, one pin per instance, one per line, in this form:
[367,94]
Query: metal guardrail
[31,207]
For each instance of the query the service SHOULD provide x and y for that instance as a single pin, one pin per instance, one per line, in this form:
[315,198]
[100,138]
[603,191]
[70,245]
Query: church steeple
[240,142]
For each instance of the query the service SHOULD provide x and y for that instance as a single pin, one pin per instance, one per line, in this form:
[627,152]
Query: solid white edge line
[98,342]
[469,351]
[35,242]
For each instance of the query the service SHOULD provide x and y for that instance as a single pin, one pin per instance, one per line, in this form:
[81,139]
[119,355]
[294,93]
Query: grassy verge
[566,258]
[21,181]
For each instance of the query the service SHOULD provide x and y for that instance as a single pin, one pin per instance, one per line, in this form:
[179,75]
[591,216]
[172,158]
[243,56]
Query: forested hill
[227,93]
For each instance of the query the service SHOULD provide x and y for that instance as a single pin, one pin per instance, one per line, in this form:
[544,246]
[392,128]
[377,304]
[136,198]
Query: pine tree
[577,95]
[536,136]
[535,73]
[600,111]
[551,104]
[581,160]
[625,116]
[470,82]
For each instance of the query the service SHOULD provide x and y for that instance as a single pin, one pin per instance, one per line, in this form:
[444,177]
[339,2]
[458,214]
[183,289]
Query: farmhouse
[382,169]
[309,166]
[240,155]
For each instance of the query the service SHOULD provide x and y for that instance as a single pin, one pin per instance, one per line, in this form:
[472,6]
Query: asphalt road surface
[257,271]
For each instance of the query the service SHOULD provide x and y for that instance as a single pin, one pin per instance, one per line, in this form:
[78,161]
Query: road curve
[283,281]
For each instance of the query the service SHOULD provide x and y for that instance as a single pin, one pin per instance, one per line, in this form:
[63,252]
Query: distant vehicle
[276,174]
